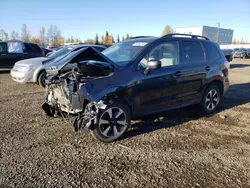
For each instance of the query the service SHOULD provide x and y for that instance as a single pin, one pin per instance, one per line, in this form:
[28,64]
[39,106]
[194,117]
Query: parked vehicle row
[241,53]
[33,69]
[134,78]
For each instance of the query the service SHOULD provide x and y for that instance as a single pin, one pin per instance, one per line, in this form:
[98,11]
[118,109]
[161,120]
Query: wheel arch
[217,82]
[39,73]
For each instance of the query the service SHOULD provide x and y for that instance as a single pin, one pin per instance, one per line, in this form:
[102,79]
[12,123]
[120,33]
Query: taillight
[42,53]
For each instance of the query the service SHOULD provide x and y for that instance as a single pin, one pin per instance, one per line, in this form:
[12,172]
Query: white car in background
[32,70]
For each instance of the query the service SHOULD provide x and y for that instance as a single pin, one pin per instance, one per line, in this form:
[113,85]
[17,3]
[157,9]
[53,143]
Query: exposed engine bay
[62,91]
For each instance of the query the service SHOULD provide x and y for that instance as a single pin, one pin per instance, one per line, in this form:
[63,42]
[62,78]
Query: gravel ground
[182,148]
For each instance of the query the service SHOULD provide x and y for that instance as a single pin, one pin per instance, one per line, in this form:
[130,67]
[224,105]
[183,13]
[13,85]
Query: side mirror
[152,65]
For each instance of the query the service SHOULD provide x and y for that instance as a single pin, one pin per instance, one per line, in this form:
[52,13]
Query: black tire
[111,124]
[41,79]
[210,105]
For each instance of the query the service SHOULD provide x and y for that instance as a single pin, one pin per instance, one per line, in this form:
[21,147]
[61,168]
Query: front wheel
[112,122]
[42,79]
[211,99]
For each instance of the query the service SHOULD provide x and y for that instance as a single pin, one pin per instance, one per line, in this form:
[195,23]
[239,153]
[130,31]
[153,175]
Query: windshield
[122,53]
[60,52]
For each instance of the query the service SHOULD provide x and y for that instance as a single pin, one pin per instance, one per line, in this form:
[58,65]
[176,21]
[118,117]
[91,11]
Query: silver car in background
[32,70]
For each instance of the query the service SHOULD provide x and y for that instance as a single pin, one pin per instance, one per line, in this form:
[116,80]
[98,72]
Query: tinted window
[167,53]
[3,47]
[211,51]
[193,52]
[35,47]
[28,48]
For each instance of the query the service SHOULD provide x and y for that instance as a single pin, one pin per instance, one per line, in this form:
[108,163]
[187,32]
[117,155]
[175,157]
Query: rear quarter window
[28,47]
[212,52]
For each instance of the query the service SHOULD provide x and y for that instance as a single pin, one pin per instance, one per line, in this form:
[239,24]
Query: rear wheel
[41,79]
[211,99]
[112,122]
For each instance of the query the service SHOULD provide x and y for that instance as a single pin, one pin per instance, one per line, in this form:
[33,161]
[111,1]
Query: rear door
[193,71]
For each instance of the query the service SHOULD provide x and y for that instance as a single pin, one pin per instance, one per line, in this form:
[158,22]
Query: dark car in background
[248,52]
[241,53]
[13,50]
[228,54]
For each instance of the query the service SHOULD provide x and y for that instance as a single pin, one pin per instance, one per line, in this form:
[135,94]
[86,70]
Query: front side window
[193,52]
[3,47]
[211,51]
[167,53]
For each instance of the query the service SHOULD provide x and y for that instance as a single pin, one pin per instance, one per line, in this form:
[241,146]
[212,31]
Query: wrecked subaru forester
[135,78]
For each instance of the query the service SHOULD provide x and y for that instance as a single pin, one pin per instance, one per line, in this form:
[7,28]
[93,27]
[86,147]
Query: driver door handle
[178,73]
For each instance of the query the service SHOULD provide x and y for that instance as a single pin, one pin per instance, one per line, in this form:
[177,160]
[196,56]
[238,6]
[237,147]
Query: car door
[193,71]
[3,54]
[159,89]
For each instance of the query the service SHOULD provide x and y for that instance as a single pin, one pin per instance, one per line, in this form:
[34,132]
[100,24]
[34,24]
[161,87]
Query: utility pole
[218,31]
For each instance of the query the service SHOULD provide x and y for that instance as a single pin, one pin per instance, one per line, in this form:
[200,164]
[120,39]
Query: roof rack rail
[139,37]
[189,35]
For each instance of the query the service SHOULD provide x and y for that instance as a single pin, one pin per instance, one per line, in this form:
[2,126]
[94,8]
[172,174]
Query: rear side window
[193,52]
[28,47]
[35,47]
[211,51]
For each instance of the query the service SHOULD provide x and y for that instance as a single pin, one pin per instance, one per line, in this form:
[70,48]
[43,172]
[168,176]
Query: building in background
[225,35]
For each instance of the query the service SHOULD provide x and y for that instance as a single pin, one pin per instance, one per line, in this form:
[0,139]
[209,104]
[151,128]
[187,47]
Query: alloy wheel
[113,122]
[212,99]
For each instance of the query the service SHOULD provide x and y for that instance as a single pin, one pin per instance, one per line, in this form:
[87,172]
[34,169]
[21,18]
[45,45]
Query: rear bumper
[21,77]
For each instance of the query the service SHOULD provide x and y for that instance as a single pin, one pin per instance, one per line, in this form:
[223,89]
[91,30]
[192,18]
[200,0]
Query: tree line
[53,37]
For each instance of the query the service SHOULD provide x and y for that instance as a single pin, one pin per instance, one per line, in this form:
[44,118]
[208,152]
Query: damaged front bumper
[59,101]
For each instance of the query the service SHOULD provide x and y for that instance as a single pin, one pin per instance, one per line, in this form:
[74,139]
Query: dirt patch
[183,148]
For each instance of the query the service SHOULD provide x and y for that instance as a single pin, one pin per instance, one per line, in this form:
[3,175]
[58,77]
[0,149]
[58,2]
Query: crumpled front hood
[88,59]
[95,68]
[32,61]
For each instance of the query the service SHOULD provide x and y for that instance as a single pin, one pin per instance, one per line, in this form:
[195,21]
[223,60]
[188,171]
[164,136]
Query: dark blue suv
[137,77]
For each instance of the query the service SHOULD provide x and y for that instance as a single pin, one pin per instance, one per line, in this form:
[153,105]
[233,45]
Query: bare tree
[54,36]
[14,35]
[3,35]
[42,36]
[25,34]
